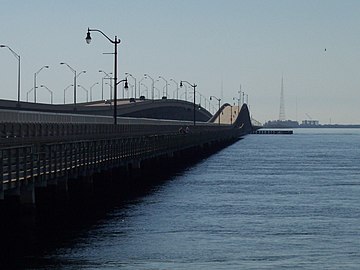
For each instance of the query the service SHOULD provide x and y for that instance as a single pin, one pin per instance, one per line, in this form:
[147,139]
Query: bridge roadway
[39,149]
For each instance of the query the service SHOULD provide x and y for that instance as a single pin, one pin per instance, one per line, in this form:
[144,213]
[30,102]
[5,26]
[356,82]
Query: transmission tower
[282,102]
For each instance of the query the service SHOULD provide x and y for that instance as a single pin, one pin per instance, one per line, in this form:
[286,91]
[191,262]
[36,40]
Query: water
[265,202]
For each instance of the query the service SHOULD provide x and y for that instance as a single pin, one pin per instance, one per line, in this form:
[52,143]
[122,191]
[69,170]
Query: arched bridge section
[233,115]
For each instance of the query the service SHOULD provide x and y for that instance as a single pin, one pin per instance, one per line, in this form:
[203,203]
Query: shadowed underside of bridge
[55,149]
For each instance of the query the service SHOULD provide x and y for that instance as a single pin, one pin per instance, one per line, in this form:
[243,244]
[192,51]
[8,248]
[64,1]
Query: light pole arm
[218,99]
[192,85]
[14,53]
[116,41]
[73,70]
[125,80]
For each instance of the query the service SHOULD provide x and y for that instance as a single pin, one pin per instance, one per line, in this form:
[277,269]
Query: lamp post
[126,86]
[219,100]
[239,100]
[158,91]
[18,81]
[161,77]
[116,41]
[86,91]
[35,75]
[177,88]
[91,87]
[140,86]
[65,91]
[147,89]
[128,74]
[27,94]
[194,86]
[51,92]
[102,83]
[75,77]
[111,88]
[152,86]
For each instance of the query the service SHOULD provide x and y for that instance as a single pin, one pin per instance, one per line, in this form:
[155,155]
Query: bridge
[52,145]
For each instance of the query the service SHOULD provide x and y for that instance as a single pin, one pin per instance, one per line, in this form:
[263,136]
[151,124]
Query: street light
[147,89]
[35,75]
[107,75]
[140,86]
[51,92]
[152,86]
[161,77]
[87,92]
[116,41]
[177,88]
[194,86]
[219,100]
[75,77]
[27,94]
[66,90]
[18,82]
[126,86]
[91,87]
[239,100]
[111,88]
[158,91]
[128,74]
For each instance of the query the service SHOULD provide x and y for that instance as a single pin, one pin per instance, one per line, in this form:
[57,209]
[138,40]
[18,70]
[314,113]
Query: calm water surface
[265,202]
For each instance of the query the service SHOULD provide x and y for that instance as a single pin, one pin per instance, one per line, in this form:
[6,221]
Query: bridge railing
[22,164]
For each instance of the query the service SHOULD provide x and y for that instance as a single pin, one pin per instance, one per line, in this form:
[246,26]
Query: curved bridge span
[39,149]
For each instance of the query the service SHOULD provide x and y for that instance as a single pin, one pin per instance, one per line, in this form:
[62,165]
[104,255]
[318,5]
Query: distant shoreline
[330,126]
[295,124]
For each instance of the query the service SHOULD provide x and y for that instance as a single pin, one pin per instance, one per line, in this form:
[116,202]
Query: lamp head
[88,37]
[46,66]
[2,46]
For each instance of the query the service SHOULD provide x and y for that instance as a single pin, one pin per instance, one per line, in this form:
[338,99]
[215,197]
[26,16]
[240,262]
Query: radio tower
[282,105]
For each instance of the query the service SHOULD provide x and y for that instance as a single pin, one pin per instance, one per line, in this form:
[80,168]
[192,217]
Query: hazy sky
[212,43]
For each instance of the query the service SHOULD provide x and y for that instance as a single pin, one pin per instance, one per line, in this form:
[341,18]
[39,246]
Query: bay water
[265,202]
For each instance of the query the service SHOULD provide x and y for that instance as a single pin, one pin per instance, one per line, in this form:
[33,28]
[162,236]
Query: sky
[216,44]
